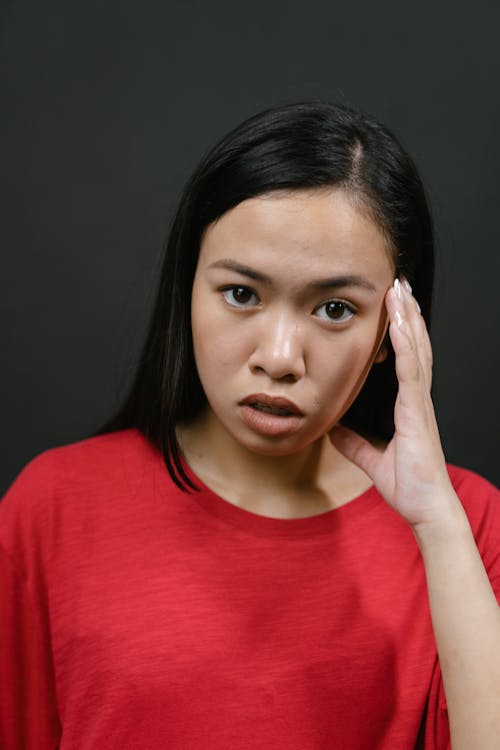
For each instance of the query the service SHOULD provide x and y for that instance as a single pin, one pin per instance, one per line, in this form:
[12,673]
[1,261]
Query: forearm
[466,622]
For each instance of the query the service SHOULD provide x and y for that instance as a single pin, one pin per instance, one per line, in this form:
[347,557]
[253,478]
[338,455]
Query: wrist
[449,526]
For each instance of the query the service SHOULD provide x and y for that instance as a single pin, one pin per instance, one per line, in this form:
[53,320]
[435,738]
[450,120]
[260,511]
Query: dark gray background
[108,106]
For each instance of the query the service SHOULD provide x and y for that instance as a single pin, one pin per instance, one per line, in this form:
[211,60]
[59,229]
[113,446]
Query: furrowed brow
[333,282]
[232,265]
[341,282]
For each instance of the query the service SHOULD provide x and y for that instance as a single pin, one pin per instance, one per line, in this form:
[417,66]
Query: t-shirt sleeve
[28,714]
[481,501]
[28,706]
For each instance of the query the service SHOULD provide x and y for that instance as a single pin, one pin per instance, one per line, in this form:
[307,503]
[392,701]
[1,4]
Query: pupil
[335,309]
[241,294]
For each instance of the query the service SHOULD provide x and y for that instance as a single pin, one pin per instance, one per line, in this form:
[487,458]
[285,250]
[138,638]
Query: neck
[313,480]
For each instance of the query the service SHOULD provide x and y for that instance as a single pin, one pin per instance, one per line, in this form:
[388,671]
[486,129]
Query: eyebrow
[332,282]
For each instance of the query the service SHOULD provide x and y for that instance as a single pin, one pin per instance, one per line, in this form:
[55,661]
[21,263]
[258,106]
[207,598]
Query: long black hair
[304,145]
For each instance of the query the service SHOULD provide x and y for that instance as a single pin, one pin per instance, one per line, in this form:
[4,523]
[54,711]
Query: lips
[273,417]
[275,405]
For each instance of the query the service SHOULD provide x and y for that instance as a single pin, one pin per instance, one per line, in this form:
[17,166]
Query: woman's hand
[411,472]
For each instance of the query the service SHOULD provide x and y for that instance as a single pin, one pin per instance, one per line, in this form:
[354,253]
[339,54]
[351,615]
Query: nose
[279,350]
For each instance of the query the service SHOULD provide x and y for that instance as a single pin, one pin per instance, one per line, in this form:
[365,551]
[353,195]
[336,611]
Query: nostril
[284,377]
[279,353]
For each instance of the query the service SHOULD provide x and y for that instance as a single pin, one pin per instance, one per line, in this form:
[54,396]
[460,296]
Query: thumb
[356,449]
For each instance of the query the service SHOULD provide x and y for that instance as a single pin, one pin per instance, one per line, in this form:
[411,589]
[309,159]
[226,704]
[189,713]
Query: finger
[405,307]
[414,408]
[413,405]
[408,367]
[419,331]
[356,449]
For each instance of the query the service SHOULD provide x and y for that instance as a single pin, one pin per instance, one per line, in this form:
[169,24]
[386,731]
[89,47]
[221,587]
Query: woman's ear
[381,355]
[383,351]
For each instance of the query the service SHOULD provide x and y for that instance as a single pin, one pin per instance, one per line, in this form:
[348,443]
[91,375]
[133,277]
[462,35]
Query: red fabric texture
[138,616]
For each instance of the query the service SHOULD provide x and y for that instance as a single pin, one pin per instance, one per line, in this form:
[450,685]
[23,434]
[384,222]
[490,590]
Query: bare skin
[281,342]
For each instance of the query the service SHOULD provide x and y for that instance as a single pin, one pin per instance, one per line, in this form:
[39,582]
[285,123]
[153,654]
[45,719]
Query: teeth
[276,410]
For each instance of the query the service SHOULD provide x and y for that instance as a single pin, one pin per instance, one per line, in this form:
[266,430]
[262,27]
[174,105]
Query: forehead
[311,231]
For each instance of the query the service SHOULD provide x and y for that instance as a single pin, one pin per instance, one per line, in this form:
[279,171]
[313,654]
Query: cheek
[342,369]
[340,379]
[343,360]
[217,346]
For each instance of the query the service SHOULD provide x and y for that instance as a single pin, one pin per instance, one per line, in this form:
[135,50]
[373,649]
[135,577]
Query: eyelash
[346,307]
[237,287]
[229,290]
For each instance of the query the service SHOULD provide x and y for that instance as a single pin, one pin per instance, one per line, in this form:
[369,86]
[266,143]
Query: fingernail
[418,307]
[407,286]
[397,288]
[399,320]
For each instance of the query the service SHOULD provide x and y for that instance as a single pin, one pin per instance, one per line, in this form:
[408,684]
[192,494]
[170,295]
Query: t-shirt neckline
[323,523]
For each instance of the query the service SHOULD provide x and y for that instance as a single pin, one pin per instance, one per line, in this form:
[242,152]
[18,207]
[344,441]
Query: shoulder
[69,499]
[473,490]
[462,476]
[99,475]
[88,461]
[481,502]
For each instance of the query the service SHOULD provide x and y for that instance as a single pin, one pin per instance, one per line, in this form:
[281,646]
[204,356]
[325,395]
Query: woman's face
[288,315]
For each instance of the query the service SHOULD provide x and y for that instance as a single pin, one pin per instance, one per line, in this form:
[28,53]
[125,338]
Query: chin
[278,446]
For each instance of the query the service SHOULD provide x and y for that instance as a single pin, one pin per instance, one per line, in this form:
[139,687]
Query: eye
[240,296]
[335,311]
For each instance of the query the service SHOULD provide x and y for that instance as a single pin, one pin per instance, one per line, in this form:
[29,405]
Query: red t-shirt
[136,616]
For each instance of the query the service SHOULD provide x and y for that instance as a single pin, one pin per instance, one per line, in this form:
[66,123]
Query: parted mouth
[276,405]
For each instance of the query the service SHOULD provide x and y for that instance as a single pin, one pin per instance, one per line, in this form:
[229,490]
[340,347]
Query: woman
[265,548]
